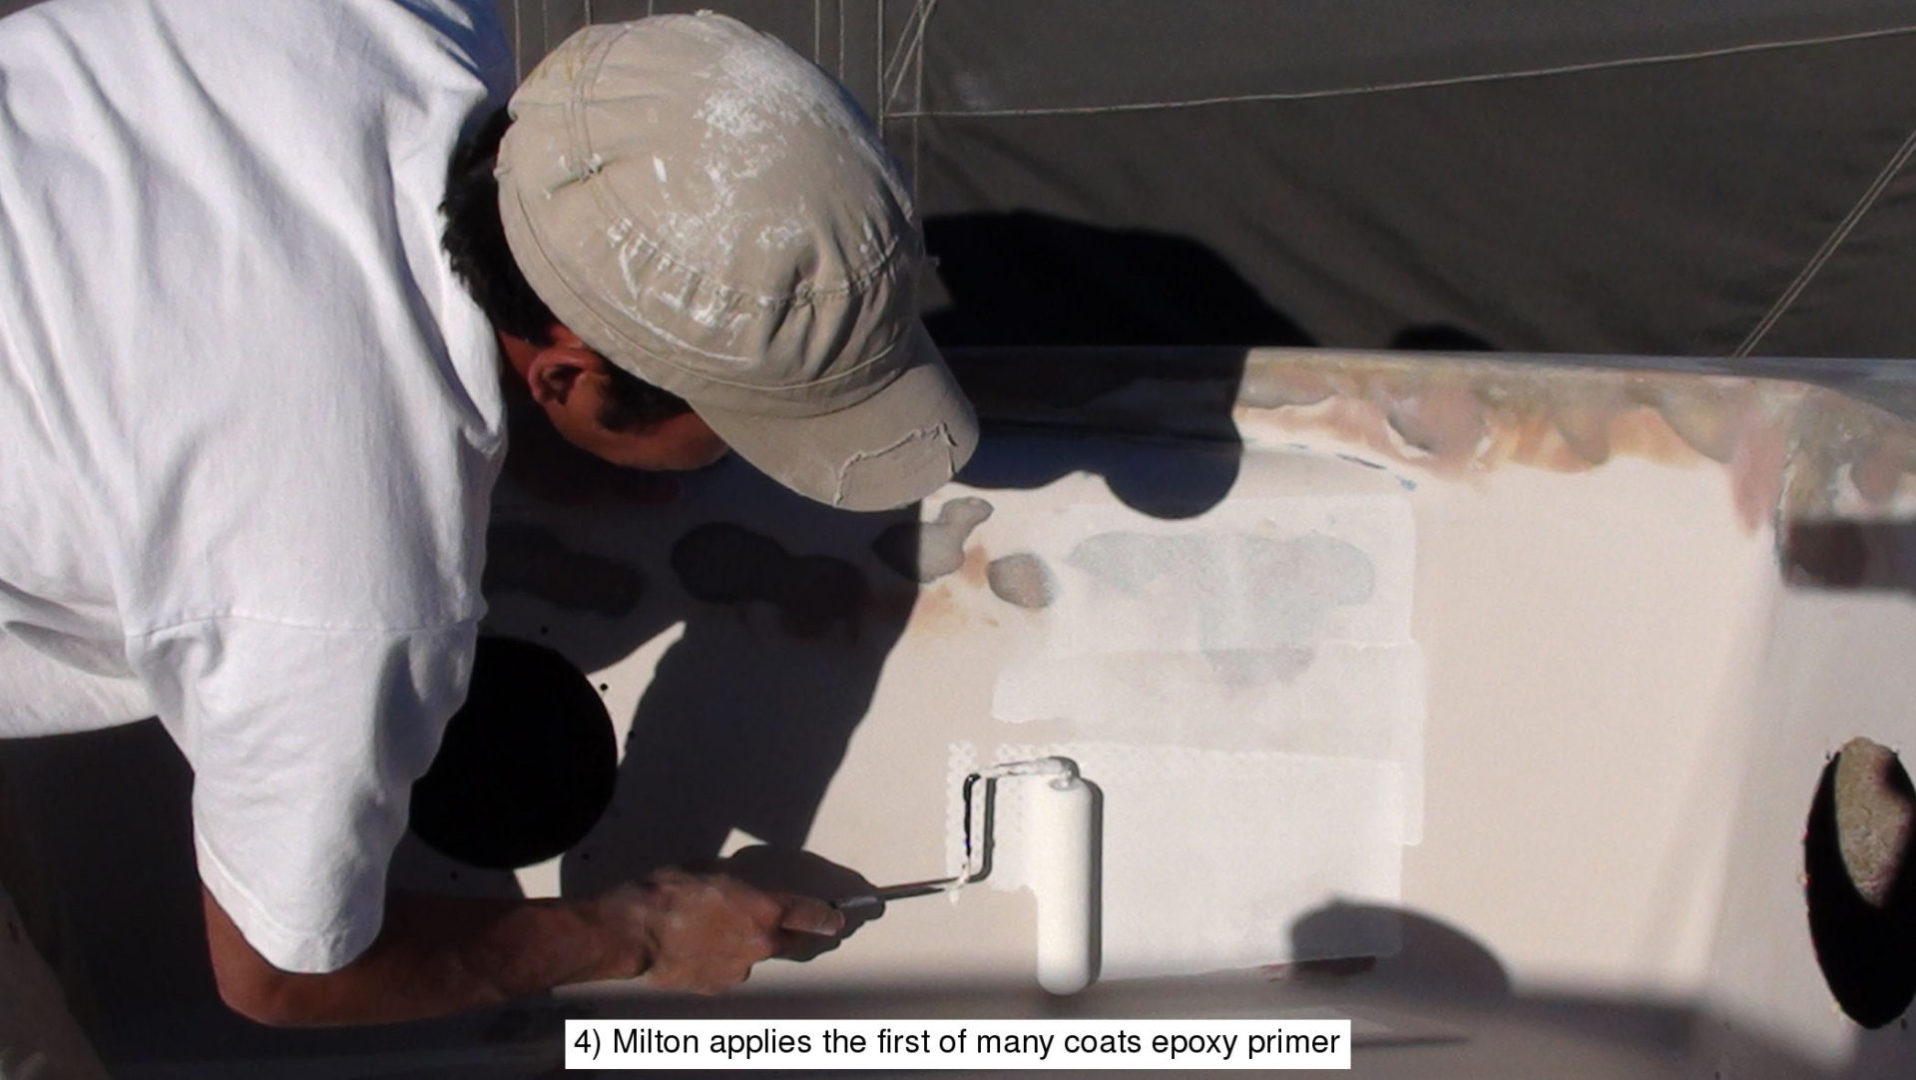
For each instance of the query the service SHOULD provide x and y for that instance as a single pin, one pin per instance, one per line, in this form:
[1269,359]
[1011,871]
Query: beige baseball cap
[715,215]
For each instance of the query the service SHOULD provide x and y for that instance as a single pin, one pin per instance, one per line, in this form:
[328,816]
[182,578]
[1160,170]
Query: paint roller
[1062,833]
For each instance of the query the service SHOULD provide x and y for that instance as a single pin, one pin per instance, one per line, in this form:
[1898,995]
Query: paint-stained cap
[715,215]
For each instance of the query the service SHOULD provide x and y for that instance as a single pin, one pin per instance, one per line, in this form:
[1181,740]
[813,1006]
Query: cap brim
[887,451]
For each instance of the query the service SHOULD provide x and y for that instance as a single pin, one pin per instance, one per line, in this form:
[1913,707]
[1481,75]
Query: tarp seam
[908,58]
[1827,251]
[918,102]
[1416,84]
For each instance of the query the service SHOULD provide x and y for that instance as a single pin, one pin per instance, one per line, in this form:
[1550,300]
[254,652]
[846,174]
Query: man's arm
[438,955]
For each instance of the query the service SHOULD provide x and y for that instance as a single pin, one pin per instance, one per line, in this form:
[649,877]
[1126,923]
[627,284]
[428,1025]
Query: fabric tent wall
[1697,177]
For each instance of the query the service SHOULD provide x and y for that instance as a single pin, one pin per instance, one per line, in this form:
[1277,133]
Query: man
[251,415]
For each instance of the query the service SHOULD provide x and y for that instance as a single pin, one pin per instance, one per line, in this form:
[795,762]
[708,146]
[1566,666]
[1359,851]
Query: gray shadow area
[785,615]
[1062,327]
[1449,979]
[1024,278]
[108,814]
[788,616]
[785,612]
[1152,475]
[117,846]
[1051,323]
[1443,1007]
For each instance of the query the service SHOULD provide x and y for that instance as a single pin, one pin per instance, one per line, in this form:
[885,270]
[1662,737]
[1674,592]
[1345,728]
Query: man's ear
[554,368]
[551,376]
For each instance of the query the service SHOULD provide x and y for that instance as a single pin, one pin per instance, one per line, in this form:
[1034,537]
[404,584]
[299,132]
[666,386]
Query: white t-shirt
[249,420]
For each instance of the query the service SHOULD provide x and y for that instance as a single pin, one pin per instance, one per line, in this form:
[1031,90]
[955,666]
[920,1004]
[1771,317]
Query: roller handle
[896,892]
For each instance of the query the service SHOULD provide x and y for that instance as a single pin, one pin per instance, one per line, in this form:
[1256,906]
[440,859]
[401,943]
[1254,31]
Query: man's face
[571,382]
[675,444]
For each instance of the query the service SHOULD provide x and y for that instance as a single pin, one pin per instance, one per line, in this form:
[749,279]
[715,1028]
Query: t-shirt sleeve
[304,743]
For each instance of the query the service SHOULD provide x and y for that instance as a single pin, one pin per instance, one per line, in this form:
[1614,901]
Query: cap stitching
[815,382]
[608,202]
[575,106]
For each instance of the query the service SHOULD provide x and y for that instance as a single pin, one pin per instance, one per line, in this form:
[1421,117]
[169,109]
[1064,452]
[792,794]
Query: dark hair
[475,240]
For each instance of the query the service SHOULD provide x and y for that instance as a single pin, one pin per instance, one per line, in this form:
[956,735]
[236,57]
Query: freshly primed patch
[1250,593]
[1255,667]
[1268,625]
[1209,857]
[1333,699]
[1022,579]
[1254,575]
[925,552]
[528,559]
[1243,688]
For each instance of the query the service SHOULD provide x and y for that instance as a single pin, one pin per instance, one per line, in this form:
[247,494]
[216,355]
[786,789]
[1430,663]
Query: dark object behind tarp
[527,765]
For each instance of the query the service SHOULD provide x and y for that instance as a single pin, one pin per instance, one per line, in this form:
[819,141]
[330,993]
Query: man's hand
[703,932]
[439,955]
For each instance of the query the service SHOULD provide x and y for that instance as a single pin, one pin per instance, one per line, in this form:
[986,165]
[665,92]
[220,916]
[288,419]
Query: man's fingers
[710,929]
[808,915]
